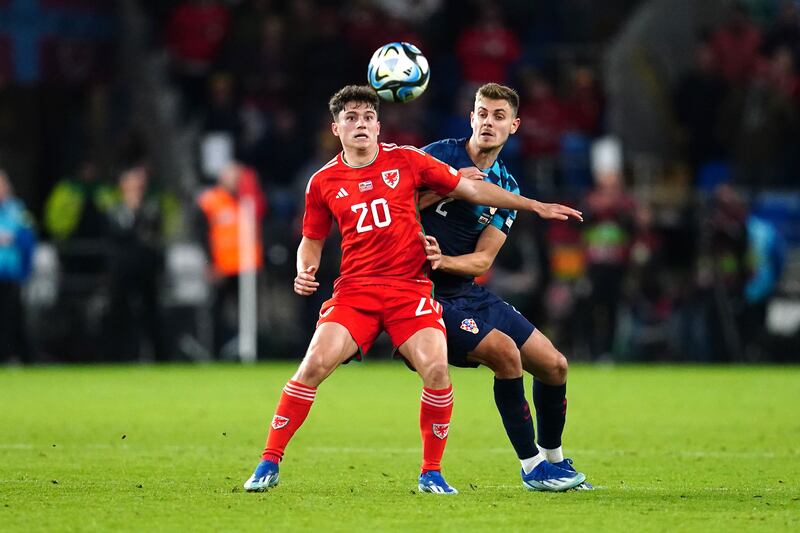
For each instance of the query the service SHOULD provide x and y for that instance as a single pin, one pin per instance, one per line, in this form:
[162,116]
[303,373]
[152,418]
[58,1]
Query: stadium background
[695,105]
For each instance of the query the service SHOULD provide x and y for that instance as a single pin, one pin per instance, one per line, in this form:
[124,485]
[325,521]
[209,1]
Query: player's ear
[335,128]
[515,125]
[378,123]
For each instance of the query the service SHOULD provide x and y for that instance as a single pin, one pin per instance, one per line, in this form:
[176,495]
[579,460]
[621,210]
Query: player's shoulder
[408,153]
[507,180]
[446,149]
[322,172]
[401,149]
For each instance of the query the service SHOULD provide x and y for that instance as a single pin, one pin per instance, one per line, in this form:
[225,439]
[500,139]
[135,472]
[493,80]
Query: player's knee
[506,362]
[435,374]
[314,369]
[556,371]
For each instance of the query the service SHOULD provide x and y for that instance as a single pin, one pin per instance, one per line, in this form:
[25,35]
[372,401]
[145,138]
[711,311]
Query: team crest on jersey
[441,430]
[391,177]
[365,186]
[279,422]
[468,324]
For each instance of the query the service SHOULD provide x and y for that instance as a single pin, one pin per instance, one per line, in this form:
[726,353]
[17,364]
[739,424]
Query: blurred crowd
[683,276]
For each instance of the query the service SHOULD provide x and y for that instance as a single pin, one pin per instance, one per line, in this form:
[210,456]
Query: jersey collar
[341,156]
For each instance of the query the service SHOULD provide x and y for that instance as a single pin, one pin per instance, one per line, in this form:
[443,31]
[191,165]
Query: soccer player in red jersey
[370,189]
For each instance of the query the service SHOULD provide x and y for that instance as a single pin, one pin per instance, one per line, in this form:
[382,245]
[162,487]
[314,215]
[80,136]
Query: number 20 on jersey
[379,211]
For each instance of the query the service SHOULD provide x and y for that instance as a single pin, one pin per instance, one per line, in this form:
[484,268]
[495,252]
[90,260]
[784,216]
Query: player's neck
[358,157]
[481,158]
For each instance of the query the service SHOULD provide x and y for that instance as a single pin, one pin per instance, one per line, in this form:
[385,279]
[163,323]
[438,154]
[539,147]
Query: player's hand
[557,212]
[305,283]
[473,173]
[433,252]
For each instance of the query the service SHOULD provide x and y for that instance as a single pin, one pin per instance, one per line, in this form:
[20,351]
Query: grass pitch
[165,448]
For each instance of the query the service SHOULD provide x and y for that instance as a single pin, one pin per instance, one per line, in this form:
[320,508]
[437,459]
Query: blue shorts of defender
[470,315]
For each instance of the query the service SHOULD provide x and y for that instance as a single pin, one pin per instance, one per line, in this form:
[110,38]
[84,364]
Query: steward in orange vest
[220,206]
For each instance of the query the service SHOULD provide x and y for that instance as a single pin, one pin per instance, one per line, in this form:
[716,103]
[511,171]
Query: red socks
[436,407]
[292,410]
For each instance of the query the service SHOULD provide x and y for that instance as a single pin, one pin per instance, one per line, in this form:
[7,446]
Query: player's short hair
[495,91]
[362,94]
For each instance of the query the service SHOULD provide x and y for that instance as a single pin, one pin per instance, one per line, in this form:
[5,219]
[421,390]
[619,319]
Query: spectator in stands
[785,32]
[646,296]
[545,121]
[736,45]
[609,215]
[763,119]
[194,35]
[487,49]
[136,263]
[17,242]
[284,151]
[698,99]
[75,217]
[584,101]
[723,272]
[219,224]
[222,111]
[767,256]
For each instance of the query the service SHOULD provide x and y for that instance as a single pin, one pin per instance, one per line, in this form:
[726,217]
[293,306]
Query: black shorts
[471,315]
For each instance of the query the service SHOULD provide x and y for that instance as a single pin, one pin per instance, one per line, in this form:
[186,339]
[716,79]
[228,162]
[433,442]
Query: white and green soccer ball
[398,72]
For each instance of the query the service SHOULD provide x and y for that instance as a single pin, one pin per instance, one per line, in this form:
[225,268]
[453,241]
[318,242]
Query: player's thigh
[542,359]
[331,345]
[499,352]
[359,311]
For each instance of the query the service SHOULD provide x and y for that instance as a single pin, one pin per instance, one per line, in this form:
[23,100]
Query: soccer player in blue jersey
[462,241]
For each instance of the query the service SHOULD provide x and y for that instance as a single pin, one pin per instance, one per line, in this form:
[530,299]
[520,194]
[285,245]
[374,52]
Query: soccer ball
[398,72]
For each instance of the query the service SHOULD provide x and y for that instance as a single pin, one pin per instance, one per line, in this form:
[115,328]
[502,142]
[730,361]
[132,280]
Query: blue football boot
[264,477]
[433,482]
[551,478]
[566,464]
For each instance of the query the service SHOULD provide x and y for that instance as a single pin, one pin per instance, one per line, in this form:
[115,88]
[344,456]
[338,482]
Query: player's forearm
[473,265]
[309,254]
[428,198]
[485,193]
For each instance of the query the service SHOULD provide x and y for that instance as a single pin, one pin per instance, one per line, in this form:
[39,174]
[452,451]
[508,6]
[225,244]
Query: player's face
[357,126]
[492,122]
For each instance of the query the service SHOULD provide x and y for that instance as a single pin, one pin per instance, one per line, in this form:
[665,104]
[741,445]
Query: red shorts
[401,309]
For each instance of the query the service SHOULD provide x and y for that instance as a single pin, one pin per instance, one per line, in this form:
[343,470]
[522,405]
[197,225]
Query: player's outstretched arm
[484,193]
[309,254]
[428,198]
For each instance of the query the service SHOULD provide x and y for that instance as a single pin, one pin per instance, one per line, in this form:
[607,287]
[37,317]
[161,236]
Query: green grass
[166,448]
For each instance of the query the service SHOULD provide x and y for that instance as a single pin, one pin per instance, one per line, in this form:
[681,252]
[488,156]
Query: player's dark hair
[495,91]
[362,94]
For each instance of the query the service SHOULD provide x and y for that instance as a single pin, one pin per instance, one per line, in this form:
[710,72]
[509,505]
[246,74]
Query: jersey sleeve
[430,172]
[317,219]
[504,218]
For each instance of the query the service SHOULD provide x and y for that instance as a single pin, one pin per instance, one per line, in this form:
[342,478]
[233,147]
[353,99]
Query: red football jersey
[375,207]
